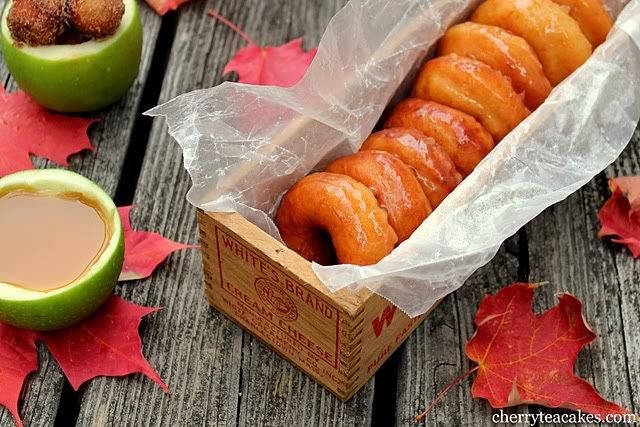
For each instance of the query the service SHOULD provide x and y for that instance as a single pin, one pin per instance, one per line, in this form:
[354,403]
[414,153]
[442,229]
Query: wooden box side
[339,339]
[382,328]
[273,293]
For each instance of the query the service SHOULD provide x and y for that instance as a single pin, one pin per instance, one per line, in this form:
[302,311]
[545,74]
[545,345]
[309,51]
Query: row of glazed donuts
[491,73]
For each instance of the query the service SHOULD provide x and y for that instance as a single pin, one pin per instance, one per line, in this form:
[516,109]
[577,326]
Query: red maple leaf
[163,6]
[27,128]
[620,215]
[18,358]
[527,358]
[282,65]
[144,250]
[524,358]
[105,344]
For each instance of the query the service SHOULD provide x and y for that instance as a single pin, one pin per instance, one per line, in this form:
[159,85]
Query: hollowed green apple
[65,306]
[82,77]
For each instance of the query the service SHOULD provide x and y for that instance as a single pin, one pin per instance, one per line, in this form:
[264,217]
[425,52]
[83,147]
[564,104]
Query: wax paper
[245,146]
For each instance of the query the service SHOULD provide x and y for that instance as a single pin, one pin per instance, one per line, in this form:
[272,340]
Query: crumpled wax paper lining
[245,146]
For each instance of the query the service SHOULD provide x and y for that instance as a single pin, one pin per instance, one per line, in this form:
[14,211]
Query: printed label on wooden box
[299,322]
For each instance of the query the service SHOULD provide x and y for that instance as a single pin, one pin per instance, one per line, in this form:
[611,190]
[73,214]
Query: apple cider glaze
[48,241]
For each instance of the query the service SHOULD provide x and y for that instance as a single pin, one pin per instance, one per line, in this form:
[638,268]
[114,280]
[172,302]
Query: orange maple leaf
[524,358]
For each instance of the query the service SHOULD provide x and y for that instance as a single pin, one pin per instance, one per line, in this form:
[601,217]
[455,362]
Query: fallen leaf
[163,6]
[18,358]
[105,344]
[271,66]
[630,187]
[27,128]
[619,216]
[143,250]
[282,65]
[524,358]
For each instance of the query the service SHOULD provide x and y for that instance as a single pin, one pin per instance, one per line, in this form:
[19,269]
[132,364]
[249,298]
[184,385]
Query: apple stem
[234,27]
[444,392]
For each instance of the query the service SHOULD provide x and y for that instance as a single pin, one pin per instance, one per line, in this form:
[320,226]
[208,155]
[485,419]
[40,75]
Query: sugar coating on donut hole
[95,18]
[434,169]
[475,88]
[460,134]
[507,53]
[36,22]
[325,214]
[556,38]
[393,184]
[591,16]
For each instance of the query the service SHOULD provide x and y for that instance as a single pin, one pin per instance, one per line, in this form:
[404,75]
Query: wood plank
[111,138]
[274,393]
[628,276]
[434,355]
[218,374]
[565,251]
[41,395]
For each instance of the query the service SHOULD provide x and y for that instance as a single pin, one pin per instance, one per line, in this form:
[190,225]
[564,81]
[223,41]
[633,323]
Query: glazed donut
[393,184]
[502,51]
[490,73]
[461,136]
[551,32]
[326,214]
[592,17]
[436,172]
[475,88]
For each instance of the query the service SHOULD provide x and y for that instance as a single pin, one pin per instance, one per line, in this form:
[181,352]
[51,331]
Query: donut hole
[326,253]
[314,244]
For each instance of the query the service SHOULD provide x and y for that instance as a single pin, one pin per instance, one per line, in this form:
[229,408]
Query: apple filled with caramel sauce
[72,55]
[61,250]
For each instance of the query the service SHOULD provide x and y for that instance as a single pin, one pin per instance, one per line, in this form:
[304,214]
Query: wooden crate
[338,339]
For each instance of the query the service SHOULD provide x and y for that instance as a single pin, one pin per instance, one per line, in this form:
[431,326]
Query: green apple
[82,77]
[63,307]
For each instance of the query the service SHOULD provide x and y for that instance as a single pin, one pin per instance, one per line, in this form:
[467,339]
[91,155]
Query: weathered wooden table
[221,376]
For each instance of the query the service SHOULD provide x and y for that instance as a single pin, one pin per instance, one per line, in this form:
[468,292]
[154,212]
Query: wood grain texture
[218,375]
[41,394]
[274,393]
[111,137]
[628,277]
[434,355]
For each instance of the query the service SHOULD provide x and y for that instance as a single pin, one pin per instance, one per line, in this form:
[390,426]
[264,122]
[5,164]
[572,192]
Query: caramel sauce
[48,241]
